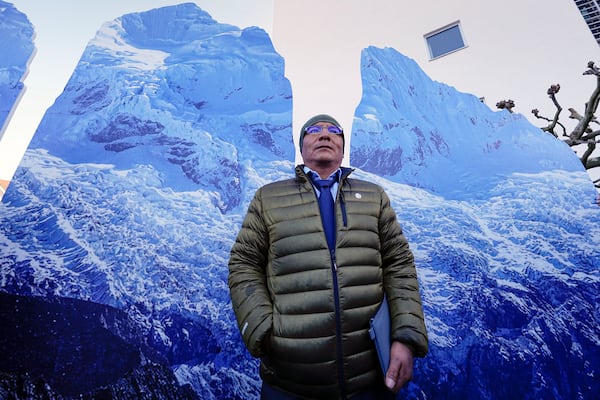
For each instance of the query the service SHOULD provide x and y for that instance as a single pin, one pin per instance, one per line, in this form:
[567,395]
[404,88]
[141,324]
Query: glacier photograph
[116,230]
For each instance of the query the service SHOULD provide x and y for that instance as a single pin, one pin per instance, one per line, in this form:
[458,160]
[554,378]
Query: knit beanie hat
[314,120]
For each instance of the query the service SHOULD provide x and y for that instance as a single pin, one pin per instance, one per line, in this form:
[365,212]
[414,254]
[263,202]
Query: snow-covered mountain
[16,48]
[412,130]
[189,95]
[137,179]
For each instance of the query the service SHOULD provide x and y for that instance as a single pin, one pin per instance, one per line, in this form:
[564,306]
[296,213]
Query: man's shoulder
[364,184]
[277,187]
[280,183]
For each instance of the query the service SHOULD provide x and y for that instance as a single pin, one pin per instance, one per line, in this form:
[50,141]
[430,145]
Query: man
[305,279]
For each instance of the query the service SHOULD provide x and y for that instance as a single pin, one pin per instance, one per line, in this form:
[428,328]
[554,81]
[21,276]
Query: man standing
[308,270]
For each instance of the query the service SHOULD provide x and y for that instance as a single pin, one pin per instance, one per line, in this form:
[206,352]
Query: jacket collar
[301,175]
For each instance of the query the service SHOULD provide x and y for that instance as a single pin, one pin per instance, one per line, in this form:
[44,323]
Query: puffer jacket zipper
[338,316]
[338,327]
[343,207]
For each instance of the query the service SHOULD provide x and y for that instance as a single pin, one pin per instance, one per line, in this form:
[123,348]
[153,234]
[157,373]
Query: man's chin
[327,148]
[325,161]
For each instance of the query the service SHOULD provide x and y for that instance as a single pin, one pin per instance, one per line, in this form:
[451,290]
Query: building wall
[515,50]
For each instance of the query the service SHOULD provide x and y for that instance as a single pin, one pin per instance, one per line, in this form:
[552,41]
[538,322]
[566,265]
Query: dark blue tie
[327,209]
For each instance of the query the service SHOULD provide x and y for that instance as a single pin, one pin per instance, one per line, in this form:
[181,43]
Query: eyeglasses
[335,130]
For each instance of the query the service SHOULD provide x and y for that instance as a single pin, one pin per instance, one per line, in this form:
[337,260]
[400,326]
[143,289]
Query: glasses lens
[336,130]
[313,129]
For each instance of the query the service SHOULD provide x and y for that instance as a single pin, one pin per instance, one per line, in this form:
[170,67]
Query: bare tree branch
[582,134]
[591,106]
[591,135]
[594,162]
[506,105]
[591,146]
[550,128]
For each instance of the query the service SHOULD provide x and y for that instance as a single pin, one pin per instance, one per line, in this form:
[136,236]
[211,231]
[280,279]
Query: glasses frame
[331,129]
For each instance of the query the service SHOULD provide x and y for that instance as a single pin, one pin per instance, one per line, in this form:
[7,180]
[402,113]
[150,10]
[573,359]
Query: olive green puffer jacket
[305,311]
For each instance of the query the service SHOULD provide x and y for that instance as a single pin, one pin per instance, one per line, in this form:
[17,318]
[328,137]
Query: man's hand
[401,367]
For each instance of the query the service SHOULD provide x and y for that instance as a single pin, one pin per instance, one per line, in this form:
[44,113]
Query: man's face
[323,147]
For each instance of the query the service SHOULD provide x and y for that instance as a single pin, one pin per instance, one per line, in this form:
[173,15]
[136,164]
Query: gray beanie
[314,120]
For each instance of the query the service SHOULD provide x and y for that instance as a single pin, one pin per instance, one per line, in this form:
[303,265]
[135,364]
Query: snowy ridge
[414,130]
[129,102]
[16,47]
[108,39]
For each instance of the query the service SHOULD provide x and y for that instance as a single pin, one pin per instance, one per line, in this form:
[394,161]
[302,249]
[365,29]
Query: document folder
[380,332]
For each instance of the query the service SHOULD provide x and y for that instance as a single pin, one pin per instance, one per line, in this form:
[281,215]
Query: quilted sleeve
[247,279]
[400,282]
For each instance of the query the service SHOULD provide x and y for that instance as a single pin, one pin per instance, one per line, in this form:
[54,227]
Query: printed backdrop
[115,231]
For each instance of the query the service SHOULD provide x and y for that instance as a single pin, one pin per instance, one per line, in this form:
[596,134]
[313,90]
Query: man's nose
[324,134]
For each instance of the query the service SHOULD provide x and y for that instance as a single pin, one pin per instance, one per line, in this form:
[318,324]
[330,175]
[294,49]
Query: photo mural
[116,228]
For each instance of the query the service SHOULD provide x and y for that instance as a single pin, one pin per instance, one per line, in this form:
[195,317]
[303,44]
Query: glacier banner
[116,229]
